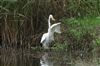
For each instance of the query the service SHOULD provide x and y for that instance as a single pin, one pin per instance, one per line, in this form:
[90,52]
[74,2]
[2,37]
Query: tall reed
[24,21]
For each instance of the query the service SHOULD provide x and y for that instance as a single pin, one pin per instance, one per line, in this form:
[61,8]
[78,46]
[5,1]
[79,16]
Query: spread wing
[43,37]
[55,28]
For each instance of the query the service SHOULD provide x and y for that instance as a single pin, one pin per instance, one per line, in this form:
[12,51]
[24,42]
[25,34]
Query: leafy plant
[81,32]
[59,47]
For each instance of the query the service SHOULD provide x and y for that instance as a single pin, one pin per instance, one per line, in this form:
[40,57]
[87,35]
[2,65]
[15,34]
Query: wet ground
[11,57]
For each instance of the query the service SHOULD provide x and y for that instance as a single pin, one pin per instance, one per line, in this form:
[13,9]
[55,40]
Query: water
[12,57]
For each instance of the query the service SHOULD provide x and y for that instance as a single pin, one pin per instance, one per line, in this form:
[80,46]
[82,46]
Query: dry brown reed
[23,22]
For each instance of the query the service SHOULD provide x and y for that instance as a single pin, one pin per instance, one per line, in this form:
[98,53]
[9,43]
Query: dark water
[12,57]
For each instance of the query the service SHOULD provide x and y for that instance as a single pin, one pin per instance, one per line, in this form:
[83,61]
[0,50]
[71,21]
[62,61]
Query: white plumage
[48,37]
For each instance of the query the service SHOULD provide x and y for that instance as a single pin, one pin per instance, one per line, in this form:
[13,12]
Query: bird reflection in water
[45,61]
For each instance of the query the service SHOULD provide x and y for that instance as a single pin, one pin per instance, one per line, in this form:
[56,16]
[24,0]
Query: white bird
[48,37]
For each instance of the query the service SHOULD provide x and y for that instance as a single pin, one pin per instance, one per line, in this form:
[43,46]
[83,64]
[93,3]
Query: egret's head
[51,16]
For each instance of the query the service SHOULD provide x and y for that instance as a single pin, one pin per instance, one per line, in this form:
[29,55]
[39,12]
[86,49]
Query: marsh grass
[81,8]
[23,22]
[82,36]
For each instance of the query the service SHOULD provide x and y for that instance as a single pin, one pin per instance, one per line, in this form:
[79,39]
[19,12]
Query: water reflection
[55,59]
[13,57]
[45,61]
[26,58]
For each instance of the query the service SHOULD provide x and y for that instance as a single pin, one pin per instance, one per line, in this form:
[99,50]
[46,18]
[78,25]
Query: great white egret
[48,37]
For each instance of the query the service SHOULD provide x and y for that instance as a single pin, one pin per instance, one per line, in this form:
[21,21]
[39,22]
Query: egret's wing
[55,28]
[43,38]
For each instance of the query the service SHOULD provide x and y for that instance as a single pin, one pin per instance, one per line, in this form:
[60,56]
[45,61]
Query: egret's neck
[50,32]
[49,24]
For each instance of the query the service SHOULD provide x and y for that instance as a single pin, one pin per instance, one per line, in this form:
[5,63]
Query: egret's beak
[53,19]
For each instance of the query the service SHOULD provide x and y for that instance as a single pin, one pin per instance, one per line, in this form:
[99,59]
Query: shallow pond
[12,57]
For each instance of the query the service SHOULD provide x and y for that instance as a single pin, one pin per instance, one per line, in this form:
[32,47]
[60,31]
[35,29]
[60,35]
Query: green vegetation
[81,33]
[82,8]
